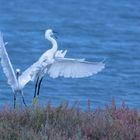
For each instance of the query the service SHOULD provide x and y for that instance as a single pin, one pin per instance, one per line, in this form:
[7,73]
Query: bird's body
[56,65]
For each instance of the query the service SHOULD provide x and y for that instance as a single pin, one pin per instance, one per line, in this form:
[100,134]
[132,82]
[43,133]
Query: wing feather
[29,74]
[74,68]
[6,65]
[36,70]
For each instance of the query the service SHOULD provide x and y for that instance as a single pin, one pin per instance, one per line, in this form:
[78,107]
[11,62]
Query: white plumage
[74,68]
[52,62]
[7,66]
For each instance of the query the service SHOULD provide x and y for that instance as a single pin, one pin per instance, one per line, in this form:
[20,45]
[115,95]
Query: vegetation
[70,123]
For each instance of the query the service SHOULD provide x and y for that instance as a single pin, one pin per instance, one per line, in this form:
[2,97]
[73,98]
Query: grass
[70,123]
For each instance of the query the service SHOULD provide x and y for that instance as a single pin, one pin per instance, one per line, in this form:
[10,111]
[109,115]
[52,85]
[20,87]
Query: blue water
[91,29]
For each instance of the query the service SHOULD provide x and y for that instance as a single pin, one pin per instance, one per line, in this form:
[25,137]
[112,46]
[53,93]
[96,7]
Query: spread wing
[75,68]
[6,64]
[28,74]
[33,71]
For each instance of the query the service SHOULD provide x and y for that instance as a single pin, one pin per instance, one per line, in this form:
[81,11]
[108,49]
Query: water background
[91,29]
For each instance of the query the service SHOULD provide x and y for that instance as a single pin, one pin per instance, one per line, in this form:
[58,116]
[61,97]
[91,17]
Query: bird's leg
[14,100]
[35,92]
[23,98]
[36,86]
[39,86]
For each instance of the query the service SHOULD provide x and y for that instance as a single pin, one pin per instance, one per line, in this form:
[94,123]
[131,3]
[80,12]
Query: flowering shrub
[65,123]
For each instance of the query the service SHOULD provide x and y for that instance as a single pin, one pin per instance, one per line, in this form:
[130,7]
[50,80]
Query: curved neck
[54,43]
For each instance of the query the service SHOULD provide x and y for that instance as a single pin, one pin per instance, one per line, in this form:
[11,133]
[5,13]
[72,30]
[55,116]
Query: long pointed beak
[55,34]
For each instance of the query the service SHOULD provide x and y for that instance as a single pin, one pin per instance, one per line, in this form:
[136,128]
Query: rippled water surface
[91,29]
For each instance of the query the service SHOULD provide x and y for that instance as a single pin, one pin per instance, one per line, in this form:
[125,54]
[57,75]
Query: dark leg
[14,100]
[36,85]
[23,98]
[39,86]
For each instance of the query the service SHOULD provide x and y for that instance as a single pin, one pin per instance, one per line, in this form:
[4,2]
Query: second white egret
[56,65]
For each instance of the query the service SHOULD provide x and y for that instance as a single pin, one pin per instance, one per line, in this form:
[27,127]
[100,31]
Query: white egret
[16,80]
[13,78]
[60,66]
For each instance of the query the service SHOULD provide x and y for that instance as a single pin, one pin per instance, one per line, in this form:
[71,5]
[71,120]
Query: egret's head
[50,33]
[18,72]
